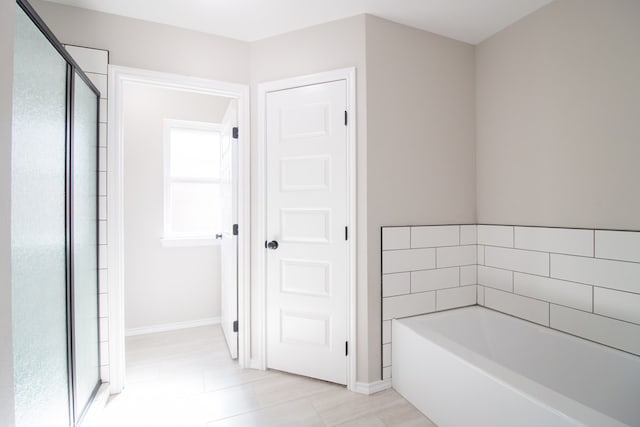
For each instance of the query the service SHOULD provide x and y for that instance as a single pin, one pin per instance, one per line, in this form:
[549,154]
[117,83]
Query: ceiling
[470,21]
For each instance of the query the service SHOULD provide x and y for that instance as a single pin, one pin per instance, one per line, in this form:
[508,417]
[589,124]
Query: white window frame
[169,238]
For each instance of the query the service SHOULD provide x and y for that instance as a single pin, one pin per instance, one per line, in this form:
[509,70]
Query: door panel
[307,214]
[38,232]
[229,246]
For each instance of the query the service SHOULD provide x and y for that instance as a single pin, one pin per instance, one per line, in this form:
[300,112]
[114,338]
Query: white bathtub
[477,367]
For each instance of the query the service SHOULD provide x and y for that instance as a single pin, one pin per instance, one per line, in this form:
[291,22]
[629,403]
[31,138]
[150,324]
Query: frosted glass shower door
[85,243]
[38,249]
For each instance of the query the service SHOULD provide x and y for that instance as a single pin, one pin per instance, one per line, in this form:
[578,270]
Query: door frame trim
[259,360]
[118,77]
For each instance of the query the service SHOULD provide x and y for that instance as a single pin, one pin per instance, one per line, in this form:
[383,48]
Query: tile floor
[186,378]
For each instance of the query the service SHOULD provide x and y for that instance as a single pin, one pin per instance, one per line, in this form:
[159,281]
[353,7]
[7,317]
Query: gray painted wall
[420,144]
[558,101]
[164,285]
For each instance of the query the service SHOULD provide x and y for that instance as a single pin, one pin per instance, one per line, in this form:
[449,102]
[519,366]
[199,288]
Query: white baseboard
[371,388]
[165,327]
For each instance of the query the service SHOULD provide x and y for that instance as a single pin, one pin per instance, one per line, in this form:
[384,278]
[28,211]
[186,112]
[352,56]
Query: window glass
[194,153]
[194,208]
[192,180]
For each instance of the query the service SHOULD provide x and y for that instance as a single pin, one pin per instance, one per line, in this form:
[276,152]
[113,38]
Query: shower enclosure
[53,229]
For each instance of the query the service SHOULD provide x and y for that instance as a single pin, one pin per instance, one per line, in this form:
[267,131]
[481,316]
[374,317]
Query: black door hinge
[346,233]
[235,326]
[345,117]
[235,229]
[346,348]
[234,133]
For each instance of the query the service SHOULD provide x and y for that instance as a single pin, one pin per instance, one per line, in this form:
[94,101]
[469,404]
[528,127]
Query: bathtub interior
[600,377]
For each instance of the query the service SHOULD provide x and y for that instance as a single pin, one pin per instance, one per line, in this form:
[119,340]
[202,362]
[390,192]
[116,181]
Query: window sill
[177,242]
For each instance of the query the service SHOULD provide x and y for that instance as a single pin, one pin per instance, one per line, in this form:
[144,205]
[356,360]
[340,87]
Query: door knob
[218,236]
[271,245]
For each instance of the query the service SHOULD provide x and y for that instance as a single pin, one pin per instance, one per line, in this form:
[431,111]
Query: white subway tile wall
[432,236]
[408,260]
[95,63]
[495,278]
[425,269]
[581,281]
[620,245]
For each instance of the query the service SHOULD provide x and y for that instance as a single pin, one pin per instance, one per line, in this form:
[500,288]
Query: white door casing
[119,77]
[229,244]
[307,215]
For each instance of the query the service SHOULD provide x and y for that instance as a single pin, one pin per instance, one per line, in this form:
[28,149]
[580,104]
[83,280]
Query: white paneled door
[229,244]
[307,251]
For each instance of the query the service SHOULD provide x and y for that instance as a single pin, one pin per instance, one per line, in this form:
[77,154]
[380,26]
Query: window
[191,181]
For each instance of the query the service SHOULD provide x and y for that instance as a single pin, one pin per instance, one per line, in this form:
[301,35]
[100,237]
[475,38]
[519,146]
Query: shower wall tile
[103,303]
[103,111]
[616,304]
[468,234]
[408,305]
[480,256]
[102,282]
[495,278]
[386,372]
[480,295]
[102,256]
[95,62]
[102,159]
[517,260]
[468,275]
[433,236]
[100,82]
[455,297]
[102,207]
[102,183]
[430,280]
[386,355]
[102,135]
[620,275]
[408,260]
[396,284]
[386,332]
[495,235]
[558,240]
[102,232]
[561,292]
[615,333]
[104,353]
[618,245]
[396,238]
[90,60]
[456,256]
[526,308]
[104,329]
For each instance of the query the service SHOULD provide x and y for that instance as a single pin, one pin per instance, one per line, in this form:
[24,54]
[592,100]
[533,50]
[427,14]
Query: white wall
[142,44]
[421,141]
[558,101]
[163,285]
[7,21]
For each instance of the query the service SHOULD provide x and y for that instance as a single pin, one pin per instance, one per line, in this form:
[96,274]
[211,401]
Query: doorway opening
[178,154]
